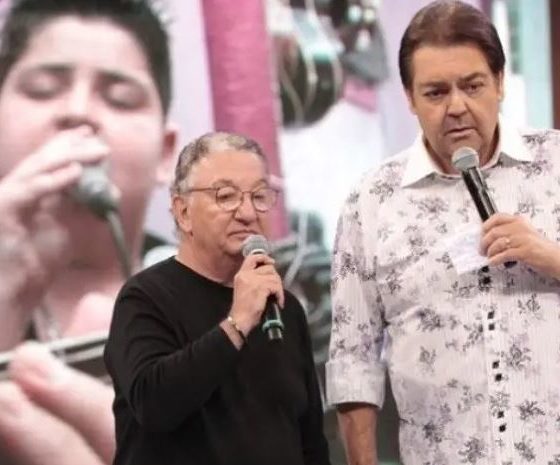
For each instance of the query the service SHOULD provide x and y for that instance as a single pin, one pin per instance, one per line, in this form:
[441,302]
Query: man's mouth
[242,233]
[461,131]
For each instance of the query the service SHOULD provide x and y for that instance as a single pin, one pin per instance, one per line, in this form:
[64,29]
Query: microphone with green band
[272,324]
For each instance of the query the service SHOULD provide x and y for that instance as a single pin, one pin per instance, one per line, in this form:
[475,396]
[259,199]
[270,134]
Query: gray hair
[204,145]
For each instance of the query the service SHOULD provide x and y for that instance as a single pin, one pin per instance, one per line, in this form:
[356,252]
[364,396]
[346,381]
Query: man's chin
[235,255]
[72,212]
[468,139]
[239,238]
[235,245]
[89,234]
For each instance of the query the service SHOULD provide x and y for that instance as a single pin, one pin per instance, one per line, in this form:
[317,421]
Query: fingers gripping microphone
[272,325]
[465,160]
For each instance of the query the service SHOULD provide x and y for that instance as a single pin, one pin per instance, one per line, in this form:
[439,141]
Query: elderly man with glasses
[196,380]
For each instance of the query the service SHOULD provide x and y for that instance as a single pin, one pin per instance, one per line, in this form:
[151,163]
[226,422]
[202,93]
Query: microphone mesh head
[255,244]
[94,189]
[465,158]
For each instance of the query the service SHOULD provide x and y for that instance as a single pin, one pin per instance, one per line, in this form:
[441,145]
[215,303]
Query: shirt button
[498,377]
[502,428]
[501,415]
[495,364]
[491,326]
[490,315]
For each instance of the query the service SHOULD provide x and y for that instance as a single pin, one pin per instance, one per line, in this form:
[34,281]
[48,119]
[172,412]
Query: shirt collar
[420,164]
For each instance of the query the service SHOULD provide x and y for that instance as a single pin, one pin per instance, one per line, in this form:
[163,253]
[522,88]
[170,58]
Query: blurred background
[316,83]
[330,67]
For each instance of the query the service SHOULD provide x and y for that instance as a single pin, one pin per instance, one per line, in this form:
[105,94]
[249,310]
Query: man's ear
[500,85]
[166,163]
[180,209]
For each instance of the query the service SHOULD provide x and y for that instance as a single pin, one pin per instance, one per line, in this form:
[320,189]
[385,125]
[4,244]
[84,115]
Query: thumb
[29,435]
[76,398]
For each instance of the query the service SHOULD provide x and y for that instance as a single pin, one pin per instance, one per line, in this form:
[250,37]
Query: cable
[117,232]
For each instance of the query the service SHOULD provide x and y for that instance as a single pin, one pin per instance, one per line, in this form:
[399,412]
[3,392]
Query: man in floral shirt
[472,351]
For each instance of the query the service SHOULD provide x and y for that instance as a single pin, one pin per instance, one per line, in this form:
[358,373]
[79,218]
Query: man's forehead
[442,63]
[97,43]
[228,156]
[229,165]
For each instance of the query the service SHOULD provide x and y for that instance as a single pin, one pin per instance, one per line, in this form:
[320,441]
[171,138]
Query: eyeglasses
[230,198]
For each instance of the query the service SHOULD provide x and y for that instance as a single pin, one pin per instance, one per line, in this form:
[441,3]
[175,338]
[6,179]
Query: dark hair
[26,17]
[203,146]
[446,22]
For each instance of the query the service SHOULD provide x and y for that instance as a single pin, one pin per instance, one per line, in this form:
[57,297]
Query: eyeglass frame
[216,189]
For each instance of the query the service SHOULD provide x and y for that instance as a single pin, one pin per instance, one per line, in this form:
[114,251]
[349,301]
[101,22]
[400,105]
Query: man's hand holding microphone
[257,294]
[34,239]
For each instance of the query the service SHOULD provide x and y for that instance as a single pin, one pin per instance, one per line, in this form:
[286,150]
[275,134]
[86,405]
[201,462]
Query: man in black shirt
[196,380]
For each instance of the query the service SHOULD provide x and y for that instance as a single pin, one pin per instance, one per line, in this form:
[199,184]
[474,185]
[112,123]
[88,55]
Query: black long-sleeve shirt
[185,395]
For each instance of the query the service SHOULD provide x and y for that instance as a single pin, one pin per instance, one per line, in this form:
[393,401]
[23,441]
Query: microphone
[272,325]
[465,160]
[95,191]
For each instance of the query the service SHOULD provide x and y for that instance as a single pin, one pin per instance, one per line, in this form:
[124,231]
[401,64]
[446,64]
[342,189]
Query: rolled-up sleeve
[355,371]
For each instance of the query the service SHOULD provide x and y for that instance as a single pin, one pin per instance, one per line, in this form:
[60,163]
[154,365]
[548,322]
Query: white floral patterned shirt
[473,359]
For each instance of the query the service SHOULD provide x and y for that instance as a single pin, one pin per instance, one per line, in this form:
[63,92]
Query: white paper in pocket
[464,249]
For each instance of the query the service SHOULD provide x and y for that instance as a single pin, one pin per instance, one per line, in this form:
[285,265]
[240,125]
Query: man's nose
[457,105]
[77,109]
[246,210]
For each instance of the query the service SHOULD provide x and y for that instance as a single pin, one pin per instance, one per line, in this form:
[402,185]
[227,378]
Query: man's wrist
[234,324]
[232,334]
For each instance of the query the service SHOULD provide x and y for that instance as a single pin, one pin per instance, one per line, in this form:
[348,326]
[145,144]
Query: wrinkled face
[456,98]
[211,229]
[85,72]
